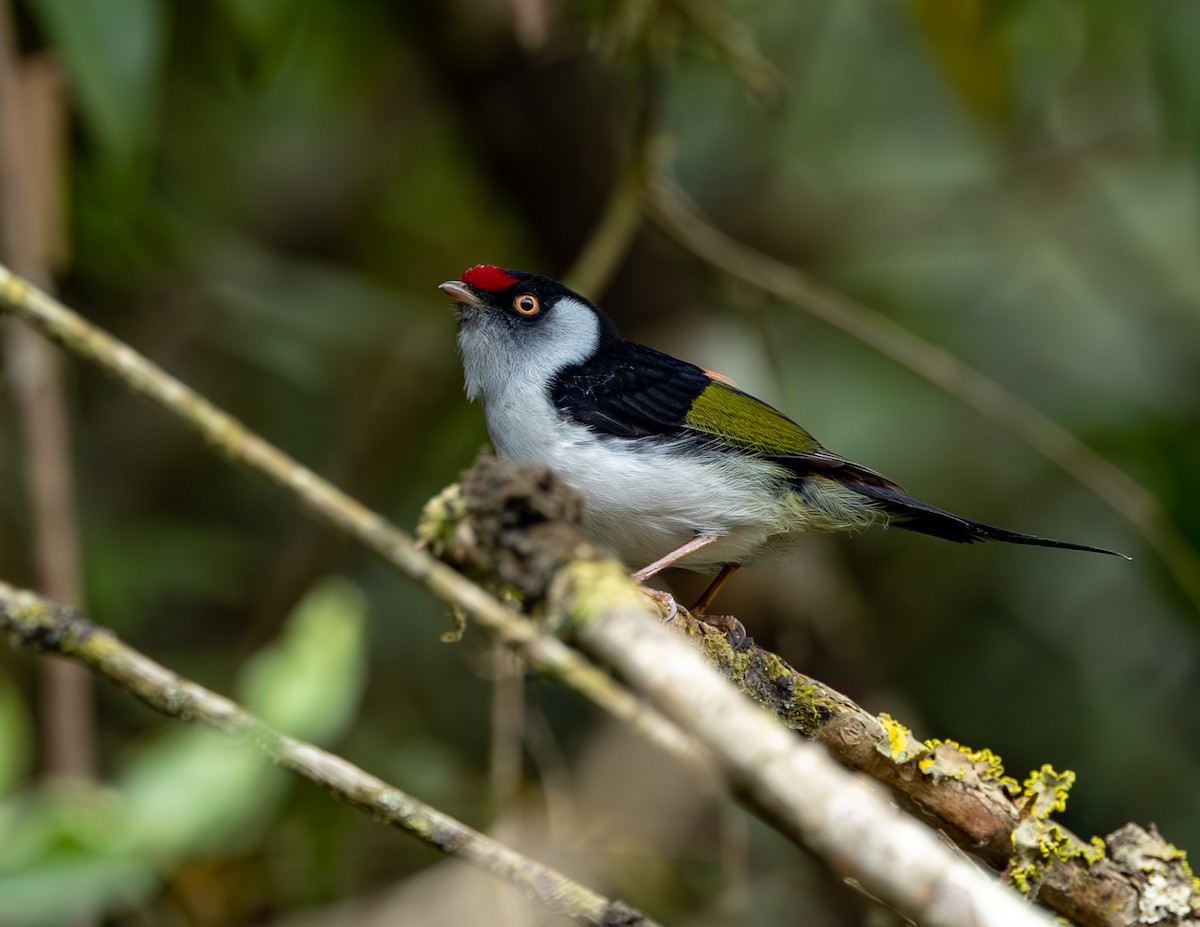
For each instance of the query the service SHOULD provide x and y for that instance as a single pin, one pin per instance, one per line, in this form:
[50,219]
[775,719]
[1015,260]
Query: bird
[676,465]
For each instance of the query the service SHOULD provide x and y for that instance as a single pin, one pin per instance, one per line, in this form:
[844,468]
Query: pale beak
[459,291]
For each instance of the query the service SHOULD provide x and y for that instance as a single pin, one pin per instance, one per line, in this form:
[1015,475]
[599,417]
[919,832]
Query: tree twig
[43,625]
[846,819]
[332,507]
[961,792]
[683,222]
[32,146]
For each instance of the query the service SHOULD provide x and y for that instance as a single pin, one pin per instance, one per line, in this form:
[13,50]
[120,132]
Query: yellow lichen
[944,764]
[1037,840]
[900,745]
[1045,791]
[1187,869]
[1095,851]
[1026,877]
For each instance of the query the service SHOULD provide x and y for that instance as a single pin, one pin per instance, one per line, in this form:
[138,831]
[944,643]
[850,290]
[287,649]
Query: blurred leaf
[67,834]
[134,564]
[210,789]
[967,39]
[67,889]
[308,684]
[195,791]
[14,737]
[1175,34]
[60,817]
[112,50]
[259,19]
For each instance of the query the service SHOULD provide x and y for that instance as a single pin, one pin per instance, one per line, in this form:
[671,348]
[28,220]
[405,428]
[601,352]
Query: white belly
[645,500]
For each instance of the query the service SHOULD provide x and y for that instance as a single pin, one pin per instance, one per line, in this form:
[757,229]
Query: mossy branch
[329,505]
[963,792]
[948,891]
[495,529]
[43,625]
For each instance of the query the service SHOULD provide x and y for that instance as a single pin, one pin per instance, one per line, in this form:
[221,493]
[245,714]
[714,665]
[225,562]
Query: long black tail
[913,515]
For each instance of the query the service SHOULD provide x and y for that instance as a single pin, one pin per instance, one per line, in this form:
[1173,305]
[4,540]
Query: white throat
[500,362]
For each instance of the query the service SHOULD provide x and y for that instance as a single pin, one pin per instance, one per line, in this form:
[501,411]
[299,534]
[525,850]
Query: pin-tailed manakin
[676,466]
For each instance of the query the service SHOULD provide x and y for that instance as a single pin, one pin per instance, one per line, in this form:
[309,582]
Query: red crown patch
[488,277]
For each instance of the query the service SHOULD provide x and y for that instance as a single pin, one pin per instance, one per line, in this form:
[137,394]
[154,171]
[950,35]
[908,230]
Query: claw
[734,629]
[663,600]
[672,611]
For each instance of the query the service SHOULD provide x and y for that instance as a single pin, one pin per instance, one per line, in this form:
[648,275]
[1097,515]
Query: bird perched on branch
[676,466]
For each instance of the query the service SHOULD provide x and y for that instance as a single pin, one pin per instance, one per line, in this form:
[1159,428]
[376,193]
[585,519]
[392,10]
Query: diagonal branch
[491,528]
[848,820]
[587,588]
[330,506]
[43,625]
[676,216]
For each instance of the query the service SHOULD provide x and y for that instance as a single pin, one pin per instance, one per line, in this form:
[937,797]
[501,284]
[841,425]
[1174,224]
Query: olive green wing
[739,421]
[742,422]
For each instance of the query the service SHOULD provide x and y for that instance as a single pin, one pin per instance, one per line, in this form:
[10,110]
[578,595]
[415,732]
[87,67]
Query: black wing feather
[632,391]
[629,390]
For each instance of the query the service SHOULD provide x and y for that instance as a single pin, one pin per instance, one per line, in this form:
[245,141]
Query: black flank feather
[629,390]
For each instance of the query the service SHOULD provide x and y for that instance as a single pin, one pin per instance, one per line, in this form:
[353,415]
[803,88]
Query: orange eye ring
[527,304]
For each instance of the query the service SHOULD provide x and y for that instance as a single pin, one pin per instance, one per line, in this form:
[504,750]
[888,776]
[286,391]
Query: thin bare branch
[683,222]
[846,819]
[622,218]
[963,793]
[32,147]
[330,506]
[43,625]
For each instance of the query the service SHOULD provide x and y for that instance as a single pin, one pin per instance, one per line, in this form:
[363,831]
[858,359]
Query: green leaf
[71,888]
[113,52]
[308,684]
[260,19]
[195,791]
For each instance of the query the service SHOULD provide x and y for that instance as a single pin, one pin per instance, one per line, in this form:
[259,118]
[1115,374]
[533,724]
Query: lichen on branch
[488,526]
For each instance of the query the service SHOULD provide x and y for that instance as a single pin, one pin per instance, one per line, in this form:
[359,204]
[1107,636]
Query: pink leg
[699,541]
[734,628]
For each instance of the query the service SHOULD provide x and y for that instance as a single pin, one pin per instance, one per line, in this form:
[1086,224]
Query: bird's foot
[734,629]
[664,600]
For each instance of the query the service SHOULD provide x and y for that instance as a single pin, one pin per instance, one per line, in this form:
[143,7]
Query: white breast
[642,498]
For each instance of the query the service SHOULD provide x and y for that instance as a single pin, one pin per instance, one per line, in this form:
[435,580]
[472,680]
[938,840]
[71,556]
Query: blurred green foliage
[187,792]
[262,197]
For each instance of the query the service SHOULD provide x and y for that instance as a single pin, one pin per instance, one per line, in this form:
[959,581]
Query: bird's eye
[527,304]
